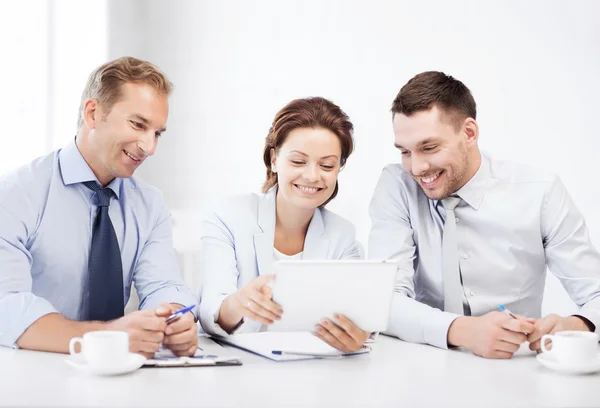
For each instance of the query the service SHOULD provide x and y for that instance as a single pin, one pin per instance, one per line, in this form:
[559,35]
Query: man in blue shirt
[76,230]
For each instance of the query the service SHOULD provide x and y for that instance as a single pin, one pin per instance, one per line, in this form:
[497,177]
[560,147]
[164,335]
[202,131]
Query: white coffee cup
[102,348]
[572,347]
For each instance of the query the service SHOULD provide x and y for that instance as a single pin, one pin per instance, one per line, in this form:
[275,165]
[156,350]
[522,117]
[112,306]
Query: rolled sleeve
[19,307]
[157,276]
[18,311]
[170,294]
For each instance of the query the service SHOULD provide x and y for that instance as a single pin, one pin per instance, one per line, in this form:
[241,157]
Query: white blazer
[237,246]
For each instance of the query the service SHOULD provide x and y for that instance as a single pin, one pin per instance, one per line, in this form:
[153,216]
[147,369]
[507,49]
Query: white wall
[48,49]
[78,43]
[532,66]
[23,75]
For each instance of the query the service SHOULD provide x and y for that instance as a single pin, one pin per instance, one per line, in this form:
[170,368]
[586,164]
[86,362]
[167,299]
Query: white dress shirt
[511,223]
[279,256]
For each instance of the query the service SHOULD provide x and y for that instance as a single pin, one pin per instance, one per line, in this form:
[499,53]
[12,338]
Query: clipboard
[202,360]
[208,354]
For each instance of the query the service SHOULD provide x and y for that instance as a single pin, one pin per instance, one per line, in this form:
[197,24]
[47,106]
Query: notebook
[209,353]
[286,346]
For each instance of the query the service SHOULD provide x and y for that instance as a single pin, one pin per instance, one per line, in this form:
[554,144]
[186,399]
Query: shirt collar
[74,169]
[473,192]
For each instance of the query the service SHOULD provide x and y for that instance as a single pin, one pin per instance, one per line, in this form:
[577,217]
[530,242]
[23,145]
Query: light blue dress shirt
[46,218]
[512,223]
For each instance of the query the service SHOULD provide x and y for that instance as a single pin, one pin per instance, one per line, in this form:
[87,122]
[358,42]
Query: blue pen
[300,353]
[505,310]
[364,349]
[179,313]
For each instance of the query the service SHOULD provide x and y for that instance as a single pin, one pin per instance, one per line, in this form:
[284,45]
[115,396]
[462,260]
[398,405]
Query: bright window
[23,81]
[48,50]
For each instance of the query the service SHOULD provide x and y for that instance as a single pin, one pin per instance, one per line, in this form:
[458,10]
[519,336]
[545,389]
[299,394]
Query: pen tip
[501,307]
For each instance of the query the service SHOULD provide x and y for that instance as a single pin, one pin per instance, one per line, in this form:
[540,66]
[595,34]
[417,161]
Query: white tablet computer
[311,290]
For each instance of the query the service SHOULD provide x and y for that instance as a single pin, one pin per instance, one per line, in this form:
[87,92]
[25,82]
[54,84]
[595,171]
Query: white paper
[303,342]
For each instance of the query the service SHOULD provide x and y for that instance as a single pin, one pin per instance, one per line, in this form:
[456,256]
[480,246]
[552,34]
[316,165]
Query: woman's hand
[253,301]
[343,334]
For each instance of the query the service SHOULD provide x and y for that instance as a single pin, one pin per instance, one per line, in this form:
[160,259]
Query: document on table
[208,354]
[286,346]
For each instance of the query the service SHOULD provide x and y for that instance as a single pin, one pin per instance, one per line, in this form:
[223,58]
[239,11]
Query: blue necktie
[103,296]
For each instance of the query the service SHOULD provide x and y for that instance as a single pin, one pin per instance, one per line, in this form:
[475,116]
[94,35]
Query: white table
[395,374]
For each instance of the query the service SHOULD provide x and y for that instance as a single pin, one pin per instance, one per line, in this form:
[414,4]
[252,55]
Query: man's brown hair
[313,113]
[105,82]
[433,88]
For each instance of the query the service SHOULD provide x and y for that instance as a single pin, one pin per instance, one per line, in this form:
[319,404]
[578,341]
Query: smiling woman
[312,123]
[307,146]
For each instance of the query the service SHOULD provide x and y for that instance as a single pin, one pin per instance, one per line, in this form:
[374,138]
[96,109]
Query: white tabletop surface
[395,374]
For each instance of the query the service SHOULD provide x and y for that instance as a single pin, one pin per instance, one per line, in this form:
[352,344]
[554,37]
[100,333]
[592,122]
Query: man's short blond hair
[106,82]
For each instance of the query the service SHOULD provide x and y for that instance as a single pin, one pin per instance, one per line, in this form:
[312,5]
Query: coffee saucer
[132,362]
[549,361]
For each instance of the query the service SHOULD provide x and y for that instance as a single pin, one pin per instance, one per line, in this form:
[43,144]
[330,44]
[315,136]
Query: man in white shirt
[506,223]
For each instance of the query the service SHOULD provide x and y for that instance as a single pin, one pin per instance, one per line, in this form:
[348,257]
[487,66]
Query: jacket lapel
[265,237]
[316,244]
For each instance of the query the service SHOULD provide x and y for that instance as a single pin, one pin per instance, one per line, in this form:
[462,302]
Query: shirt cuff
[591,312]
[209,314]
[175,294]
[18,311]
[435,329]
[591,326]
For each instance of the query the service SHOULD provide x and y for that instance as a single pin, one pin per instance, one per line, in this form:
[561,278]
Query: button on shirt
[514,221]
[46,224]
